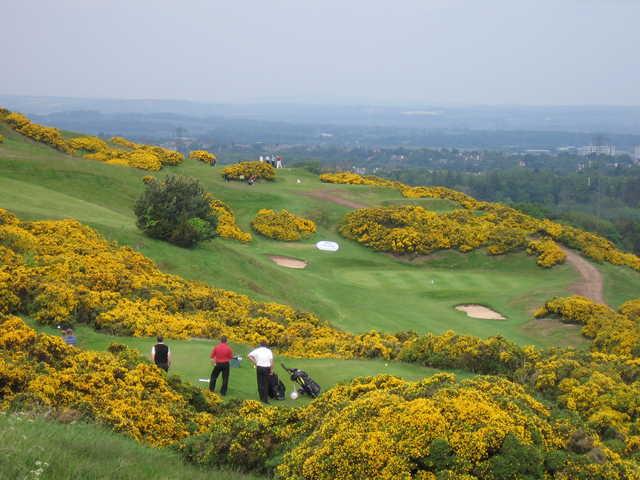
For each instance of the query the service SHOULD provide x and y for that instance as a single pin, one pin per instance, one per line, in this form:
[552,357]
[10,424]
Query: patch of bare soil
[334,197]
[288,262]
[479,311]
[591,284]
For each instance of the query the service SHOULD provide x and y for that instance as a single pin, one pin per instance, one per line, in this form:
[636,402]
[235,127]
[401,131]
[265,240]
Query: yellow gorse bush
[405,240]
[39,133]
[282,225]
[549,252]
[114,389]
[245,170]
[136,155]
[227,226]
[77,276]
[611,331]
[202,155]
[88,144]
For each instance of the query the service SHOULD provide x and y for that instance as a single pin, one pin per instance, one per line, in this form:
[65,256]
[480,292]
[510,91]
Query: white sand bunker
[478,311]
[288,262]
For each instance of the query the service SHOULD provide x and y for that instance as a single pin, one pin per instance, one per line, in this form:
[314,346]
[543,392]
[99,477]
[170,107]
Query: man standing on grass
[221,355]
[262,358]
[161,355]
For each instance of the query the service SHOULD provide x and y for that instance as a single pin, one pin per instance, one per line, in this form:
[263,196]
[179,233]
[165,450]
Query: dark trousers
[263,383]
[220,368]
[164,366]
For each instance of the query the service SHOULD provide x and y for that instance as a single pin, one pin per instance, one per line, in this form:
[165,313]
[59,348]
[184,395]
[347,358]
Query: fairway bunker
[479,311]
[288,261]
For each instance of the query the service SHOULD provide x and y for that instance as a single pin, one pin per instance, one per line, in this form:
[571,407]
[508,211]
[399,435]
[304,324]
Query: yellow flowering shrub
[39,133]
[356,179]
[282,225]
[383,427]
[227,226]
[404,241]
[123,142]
[88,144]
[203,156]
[611,331]
[77,276]
[117,389]
[413,229]
[128,153]
[1,138]
[245,170]
[549,252]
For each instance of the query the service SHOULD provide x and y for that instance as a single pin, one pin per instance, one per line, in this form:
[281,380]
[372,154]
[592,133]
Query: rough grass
[34,448]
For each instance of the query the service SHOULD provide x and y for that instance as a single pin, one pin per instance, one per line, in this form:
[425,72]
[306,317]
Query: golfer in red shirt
[221,355]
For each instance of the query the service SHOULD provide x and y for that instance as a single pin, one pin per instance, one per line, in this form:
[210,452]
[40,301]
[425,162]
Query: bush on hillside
[203,156]
[177,210]
[1,139]
[282,225]
[245,170]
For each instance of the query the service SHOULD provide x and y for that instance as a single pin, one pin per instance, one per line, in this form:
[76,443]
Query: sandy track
[332,196]
[591,284]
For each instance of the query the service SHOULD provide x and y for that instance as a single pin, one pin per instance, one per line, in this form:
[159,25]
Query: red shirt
[222,353]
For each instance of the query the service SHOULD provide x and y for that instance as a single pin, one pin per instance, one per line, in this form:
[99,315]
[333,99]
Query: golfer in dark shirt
[161,355]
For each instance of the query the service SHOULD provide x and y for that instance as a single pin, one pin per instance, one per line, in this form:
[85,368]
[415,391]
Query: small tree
[176,210]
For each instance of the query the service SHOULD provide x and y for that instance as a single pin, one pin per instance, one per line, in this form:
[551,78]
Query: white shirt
[262,356]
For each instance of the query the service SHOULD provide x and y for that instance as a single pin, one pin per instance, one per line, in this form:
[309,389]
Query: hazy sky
[338,51]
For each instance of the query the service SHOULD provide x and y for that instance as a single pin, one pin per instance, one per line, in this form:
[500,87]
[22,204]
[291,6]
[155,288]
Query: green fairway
[34,448]
[355,288]
[192,363]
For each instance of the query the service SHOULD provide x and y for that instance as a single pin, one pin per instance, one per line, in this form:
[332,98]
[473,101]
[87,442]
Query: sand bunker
[288,262]
[478,311]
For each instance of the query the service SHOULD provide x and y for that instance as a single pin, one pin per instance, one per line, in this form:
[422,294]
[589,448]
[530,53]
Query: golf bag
[304,381]
[276,387]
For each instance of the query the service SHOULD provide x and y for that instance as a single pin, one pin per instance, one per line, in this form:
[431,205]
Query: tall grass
[35,448]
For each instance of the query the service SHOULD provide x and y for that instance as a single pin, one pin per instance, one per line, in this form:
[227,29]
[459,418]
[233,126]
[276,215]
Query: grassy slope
[84,451]
[355,288]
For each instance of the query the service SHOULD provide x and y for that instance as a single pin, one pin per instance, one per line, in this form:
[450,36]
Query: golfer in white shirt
[262,358]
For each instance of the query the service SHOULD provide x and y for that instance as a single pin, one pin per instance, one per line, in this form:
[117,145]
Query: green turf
[191,362]
[33,448]
[355,288]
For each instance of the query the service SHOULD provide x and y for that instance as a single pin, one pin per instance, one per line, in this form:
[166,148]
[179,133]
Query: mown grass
[192,363]
[33,448]
[355,288]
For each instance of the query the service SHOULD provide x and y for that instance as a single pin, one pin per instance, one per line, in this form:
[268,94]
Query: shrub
[282,225]
[176,210]
[227,226]
[1,139]
[203,156]
[244,170]
[88,144]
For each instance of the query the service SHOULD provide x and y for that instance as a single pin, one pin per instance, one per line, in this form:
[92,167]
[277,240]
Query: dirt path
[591,285]
[332,196]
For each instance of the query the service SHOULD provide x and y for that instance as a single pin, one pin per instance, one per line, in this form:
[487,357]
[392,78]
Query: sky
[437,52]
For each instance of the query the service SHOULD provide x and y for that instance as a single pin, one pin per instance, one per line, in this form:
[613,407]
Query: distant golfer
[221,355]
[262,358]
[69,337]
[161,355]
